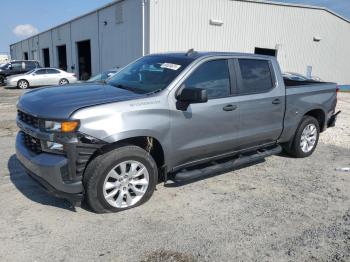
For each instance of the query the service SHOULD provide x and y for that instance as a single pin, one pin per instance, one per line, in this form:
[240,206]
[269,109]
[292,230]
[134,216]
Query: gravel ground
[282,209]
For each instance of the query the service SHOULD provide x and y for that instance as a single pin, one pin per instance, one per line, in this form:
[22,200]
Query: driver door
[39,78]
[206,129]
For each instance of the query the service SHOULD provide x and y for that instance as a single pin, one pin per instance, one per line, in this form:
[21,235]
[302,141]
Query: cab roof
[191,54]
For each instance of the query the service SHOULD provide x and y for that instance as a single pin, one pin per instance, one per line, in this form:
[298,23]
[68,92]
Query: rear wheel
[120,179]
[63,81]
[22,84]
[306,138]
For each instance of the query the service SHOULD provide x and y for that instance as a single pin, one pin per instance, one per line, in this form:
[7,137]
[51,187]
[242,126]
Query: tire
[97,179]
[63,81]
[2,80]
[302,145]
[22,84]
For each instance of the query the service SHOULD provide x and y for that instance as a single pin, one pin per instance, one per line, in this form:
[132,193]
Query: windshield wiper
[154,92]
[123,87]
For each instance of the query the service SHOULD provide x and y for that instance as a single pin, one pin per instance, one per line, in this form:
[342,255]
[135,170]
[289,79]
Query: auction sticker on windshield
[170,66]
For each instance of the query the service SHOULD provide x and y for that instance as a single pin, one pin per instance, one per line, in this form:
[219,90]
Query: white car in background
[41,77]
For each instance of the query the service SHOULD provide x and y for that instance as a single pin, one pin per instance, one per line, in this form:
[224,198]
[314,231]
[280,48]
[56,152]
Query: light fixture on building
[216,22]
[317,38]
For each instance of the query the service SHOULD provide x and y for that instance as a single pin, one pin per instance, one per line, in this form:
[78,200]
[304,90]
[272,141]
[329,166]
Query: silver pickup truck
[172,116]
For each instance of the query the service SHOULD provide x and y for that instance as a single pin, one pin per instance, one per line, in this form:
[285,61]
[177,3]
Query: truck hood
[60,102]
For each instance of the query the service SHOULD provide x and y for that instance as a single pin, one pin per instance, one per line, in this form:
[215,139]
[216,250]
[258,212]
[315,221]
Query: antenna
[190,52]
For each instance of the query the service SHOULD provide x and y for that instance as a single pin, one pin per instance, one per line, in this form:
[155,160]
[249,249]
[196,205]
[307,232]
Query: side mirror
[192,95]
[10,67]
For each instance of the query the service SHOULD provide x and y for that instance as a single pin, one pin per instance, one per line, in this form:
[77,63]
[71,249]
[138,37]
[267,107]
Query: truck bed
[295,83]
[304,96]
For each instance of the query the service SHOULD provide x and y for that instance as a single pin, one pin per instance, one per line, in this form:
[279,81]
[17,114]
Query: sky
[21,18]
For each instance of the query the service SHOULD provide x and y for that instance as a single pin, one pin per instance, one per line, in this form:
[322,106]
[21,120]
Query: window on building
[256,76]
[265,51]
[213,76]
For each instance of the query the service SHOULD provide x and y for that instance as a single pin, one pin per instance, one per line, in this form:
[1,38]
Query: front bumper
[10,83]
[48,169]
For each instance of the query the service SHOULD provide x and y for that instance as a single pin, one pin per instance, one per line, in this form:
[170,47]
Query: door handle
[276,102]
[230,108]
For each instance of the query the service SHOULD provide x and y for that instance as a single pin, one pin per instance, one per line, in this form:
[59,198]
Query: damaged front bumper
[60,174]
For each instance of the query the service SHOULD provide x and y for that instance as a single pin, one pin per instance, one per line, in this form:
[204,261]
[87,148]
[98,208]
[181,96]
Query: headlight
[65,126]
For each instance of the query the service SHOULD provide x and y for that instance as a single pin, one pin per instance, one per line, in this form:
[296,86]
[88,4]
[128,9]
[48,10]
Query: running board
[241,160]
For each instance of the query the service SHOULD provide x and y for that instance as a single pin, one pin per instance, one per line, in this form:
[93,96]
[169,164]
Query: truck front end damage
[56,159]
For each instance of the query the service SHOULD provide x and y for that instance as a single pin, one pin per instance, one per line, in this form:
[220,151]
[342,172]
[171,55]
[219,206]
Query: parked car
[17,67]
[159,118]
[41,77]
[103,76]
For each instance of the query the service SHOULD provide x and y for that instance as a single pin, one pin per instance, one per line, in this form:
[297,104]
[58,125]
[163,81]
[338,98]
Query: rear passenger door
[53,76]
[261,102]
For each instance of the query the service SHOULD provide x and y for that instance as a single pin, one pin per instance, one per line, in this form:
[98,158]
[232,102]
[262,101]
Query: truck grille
[28,119]
[32,143]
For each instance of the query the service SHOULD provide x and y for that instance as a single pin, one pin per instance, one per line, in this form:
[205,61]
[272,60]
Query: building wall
[182,24]
[112,44]
[120,43]
[179,25]
[61,36]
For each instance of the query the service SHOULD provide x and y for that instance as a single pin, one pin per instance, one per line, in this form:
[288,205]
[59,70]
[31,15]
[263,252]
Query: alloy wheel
[23,84]
[63,82]
[308,138]
[126,184]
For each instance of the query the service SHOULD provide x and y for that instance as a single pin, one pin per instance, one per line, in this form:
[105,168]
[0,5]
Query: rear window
[52,71]
[256,76]
[30,64]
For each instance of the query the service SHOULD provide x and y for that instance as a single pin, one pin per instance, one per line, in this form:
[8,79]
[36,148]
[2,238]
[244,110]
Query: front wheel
[22,84]
[120,179]
[306,138]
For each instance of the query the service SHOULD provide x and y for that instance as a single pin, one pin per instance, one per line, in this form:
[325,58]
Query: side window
[40,72]
[213,76]
[52,71]
[256,76]
[16,65]
[30,65]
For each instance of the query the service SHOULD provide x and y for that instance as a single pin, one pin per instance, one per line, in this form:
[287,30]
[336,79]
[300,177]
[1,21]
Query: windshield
[101,77]
[150,73]
[95,78]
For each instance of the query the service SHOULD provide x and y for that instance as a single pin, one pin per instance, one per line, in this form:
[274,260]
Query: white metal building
[304,38]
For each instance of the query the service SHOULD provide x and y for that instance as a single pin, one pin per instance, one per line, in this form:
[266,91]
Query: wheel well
[319,115]
[150,144]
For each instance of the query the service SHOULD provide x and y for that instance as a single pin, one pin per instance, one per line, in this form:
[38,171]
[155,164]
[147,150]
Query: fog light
[54,146]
